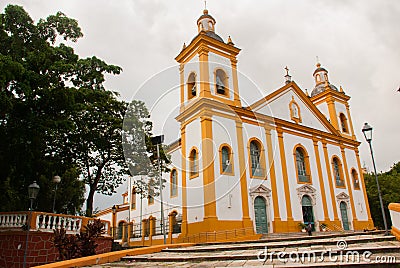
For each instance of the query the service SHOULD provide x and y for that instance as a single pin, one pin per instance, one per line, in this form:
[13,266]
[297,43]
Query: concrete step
[320,240]
[278,251]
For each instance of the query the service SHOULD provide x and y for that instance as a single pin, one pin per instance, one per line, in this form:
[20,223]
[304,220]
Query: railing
[217,236]
[44,222]
[304,178]
[340,183]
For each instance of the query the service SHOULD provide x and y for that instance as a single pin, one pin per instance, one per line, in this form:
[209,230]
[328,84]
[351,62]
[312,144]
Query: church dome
[206,24]
[321,81]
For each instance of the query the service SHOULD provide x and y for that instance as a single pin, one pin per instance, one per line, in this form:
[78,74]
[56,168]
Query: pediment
[306,189]
[342,196]
[260,190]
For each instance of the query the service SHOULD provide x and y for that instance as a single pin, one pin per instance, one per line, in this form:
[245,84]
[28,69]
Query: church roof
[321,88]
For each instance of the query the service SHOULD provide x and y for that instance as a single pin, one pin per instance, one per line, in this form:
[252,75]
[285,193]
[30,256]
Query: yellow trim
[350,121]
[193,173]
[204,74]
[295,118]
[261,160]
[183,175]
[243,178]
[236,96]
[340,166]
[306,163]
[272,173]
[171,183]
[328,171]
[352,170]
[210,208]
[182,81]
[231,162]
[346,172]
[284,174]
[321,179]
[332,112]
[394,207]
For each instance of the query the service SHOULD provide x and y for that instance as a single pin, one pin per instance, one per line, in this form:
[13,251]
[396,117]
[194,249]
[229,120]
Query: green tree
[389,183]
[54,112]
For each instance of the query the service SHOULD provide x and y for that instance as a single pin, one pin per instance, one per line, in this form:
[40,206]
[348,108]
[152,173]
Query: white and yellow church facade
[286,159]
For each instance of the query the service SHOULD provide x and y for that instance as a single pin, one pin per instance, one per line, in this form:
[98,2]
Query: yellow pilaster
[332,190]
[184,188]
[210,209]
[182,81]
[271,163]
[350,121]
[332,112]
[285,176]
[321,179]
[236,97]
[349,188]
[243,178]
[204,74]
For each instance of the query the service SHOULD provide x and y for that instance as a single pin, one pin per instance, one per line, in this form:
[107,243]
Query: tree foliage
[389,183]
[56,117]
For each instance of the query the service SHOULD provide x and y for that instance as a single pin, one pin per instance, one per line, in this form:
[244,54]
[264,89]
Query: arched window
[191,86]
[337,172]
[221,82]
[151,192]
[174,183]
[318,78]
[226,159]
[294,111]
[255,159]
[343,123]
[302,165]
[356,180]
[133,198]
[194,163]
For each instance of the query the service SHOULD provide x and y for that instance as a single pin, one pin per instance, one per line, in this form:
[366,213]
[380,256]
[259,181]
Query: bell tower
[208,90]
[208,66]
[333,103]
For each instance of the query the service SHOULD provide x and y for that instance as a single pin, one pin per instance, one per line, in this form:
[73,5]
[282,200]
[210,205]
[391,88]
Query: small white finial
[205,4]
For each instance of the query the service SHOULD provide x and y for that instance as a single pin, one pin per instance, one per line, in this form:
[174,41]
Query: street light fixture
[56,180]
[114,210]
[33,190]
[157,140]
[367,131]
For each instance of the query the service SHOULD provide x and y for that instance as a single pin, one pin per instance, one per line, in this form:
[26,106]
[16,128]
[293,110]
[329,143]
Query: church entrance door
[307,208]
[260,212]
[345,218]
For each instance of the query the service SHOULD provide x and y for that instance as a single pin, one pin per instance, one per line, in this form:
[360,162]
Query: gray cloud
[357,41]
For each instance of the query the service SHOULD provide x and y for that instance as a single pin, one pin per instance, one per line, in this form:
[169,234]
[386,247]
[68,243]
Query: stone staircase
[347,249]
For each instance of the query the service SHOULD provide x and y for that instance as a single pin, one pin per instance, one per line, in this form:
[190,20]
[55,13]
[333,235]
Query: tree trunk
[89,202]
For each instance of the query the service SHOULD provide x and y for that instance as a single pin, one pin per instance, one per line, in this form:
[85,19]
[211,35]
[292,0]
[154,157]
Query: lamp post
[56,180]
[367,131]
[114,210]
[33,190]
[157,140]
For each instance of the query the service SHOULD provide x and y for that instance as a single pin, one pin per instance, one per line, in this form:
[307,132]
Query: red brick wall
[40,248]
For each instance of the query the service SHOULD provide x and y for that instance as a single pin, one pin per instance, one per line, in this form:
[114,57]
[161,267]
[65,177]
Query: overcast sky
[357,41]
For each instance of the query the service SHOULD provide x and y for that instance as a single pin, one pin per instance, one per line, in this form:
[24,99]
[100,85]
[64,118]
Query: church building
[288,159]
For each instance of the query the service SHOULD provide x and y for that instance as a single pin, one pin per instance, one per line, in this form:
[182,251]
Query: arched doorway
[307,208]
[260,214]
[345,218]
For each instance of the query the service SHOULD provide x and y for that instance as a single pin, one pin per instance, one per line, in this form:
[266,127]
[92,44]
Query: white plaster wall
[395,216]
[217,61]
[279,108]
[195,195]
[227,187]
[290,142]
[323,108]
[358,195]
[326,181]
